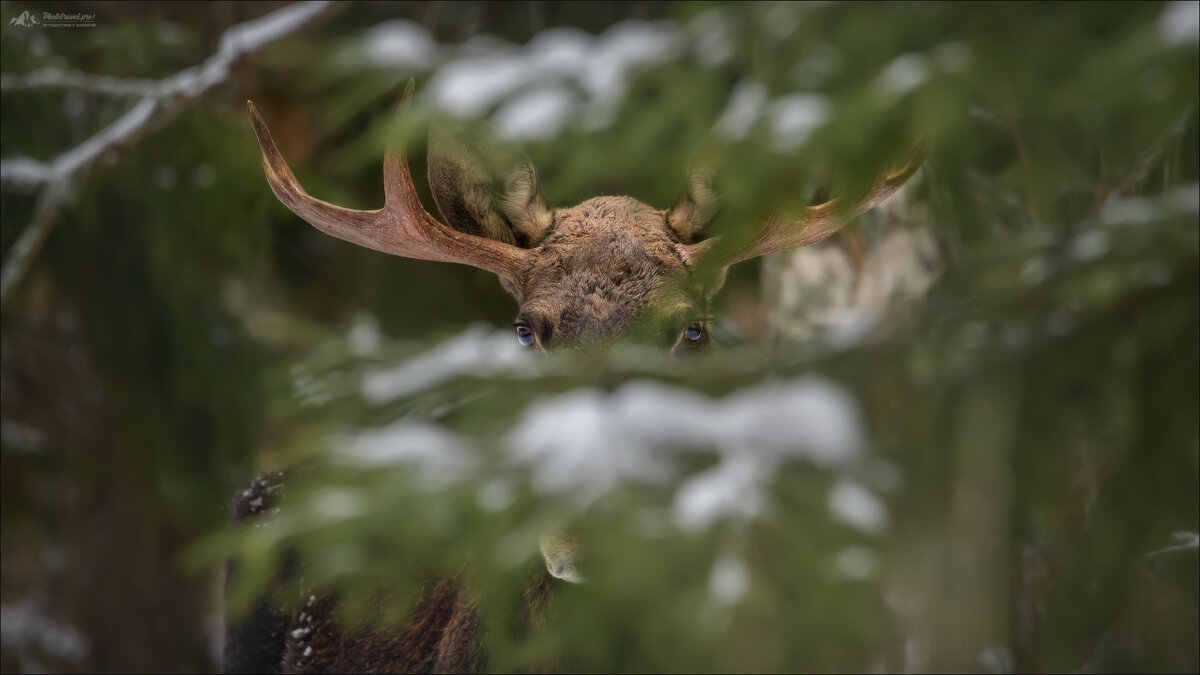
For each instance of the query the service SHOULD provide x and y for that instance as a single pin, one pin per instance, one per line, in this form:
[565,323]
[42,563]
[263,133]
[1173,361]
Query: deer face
[597,273]
[609,268]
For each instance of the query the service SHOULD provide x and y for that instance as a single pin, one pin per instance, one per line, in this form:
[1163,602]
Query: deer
[609,268]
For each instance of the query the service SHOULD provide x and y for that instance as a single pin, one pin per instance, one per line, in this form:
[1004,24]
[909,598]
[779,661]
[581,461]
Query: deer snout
[561,553]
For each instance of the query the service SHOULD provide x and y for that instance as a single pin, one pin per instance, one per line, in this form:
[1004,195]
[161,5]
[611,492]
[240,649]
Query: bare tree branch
[161,103]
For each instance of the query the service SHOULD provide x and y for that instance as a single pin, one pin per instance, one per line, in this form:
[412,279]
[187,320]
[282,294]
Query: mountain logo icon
[26,19]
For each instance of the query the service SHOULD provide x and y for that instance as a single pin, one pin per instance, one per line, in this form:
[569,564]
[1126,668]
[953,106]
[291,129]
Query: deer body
[441,636]
[609,268]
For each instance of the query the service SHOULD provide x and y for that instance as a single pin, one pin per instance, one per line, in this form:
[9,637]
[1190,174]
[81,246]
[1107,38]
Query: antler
[402,227]
[817,222]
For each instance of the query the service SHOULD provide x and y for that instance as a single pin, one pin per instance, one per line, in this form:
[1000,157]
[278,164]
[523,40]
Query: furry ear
[525,206]
[694,208]
[462,189]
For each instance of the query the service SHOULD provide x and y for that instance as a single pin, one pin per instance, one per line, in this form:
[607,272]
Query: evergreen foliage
[996,483]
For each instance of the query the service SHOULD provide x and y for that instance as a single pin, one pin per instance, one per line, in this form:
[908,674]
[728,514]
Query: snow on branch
[161,102]
[54,78]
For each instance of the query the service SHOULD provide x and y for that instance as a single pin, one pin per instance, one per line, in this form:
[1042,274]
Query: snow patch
[537,114]
[439,456]
[477,350]
[713,40]
[744,107]
[996,659]
[1088,245]
[729,580]
[1187,541]
[732,488]
[1118,210]
[795,117]
[1179,23]
[853,504]
[399,44]
[585,442]
[857,563]
[486,72]
[903,74]
[27,629]
[21,437]
[338,504]
[364,336]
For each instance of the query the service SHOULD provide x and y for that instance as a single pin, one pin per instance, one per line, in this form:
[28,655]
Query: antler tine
[402,227]
[815,224]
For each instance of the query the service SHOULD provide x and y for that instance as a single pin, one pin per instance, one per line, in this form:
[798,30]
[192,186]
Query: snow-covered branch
[54,78]
[161,102]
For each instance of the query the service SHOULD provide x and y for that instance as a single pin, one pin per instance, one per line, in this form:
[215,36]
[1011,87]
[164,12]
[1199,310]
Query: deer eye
[694,333]
[524,336]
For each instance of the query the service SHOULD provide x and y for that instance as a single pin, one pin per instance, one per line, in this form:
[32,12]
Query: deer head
[603,269]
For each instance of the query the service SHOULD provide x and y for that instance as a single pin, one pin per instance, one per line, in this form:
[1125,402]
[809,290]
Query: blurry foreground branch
[161,102]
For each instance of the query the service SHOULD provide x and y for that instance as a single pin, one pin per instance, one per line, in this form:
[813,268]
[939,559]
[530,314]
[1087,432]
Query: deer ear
[462,189]
[694,208]
[525,206]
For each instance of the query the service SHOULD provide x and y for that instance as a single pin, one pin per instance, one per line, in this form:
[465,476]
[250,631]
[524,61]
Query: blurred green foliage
[181,330]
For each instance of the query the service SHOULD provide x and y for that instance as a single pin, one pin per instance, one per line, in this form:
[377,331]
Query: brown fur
[441,636]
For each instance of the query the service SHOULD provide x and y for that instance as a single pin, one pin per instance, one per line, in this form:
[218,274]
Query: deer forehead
[610,224]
